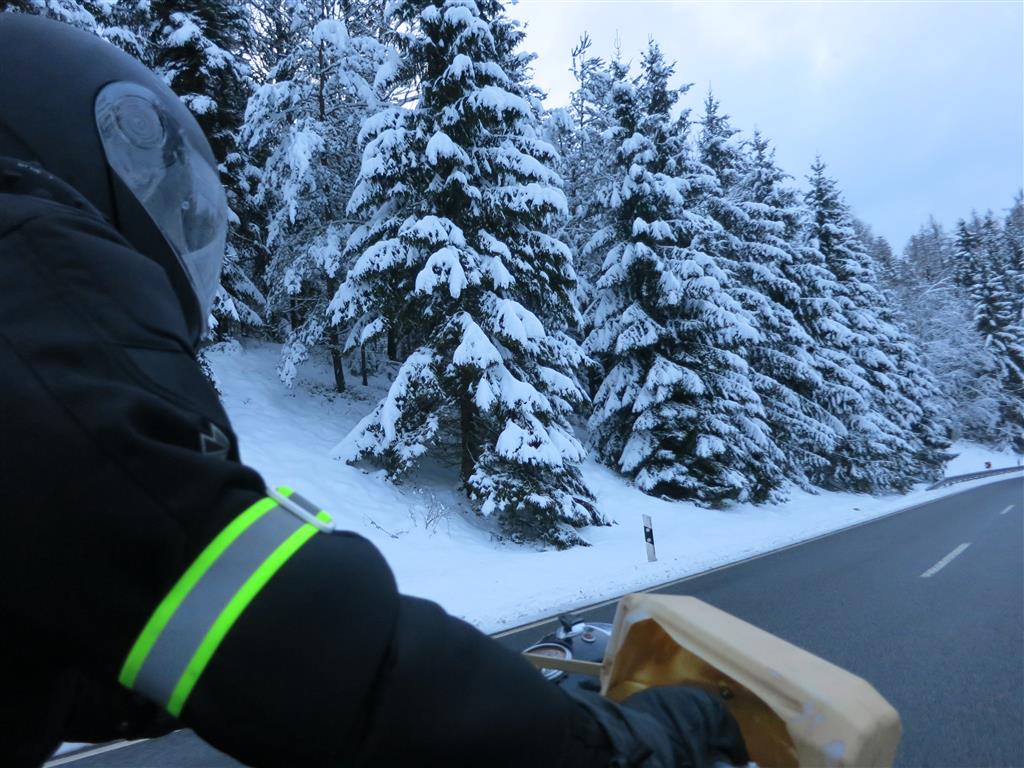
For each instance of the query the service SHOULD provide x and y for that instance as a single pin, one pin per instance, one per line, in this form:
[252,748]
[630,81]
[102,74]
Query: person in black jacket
[149,578]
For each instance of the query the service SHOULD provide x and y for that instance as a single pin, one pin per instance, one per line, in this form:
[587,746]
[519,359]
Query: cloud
[906,101]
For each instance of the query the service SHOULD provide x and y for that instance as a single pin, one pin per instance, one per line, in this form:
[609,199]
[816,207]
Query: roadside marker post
[649,538]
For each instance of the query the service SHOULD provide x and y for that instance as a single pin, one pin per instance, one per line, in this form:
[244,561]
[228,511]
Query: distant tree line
[961,294]
[402,199]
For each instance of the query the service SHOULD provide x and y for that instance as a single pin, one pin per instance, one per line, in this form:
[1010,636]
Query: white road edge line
[946,560]
[76,756]
[1006,510]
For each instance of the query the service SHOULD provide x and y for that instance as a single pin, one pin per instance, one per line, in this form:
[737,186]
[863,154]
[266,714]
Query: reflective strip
[188,626]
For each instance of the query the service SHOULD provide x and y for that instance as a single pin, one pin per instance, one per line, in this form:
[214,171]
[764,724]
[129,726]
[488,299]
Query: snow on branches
[454,259]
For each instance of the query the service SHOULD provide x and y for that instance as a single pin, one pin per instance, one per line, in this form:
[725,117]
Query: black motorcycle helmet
[102,123]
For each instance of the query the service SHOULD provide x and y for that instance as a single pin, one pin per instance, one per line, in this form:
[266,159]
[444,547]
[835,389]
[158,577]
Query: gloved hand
[667,727]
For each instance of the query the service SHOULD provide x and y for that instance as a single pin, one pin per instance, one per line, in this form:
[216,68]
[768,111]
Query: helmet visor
[170,177]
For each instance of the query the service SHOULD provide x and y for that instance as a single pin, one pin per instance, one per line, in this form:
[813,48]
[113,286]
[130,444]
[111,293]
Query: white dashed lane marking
[945,561]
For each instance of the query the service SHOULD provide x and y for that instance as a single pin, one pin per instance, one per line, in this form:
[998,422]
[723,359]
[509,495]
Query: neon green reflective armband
[188,626]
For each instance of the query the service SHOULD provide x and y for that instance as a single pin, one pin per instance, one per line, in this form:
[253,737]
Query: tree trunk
[337,360]
[362,364]
[334,343]
[467,428]
[321,60]
[392,345]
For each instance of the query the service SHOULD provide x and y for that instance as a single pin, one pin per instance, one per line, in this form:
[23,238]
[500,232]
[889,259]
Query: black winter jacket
[109,497]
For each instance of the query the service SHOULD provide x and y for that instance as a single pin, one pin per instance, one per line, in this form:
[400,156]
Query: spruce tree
[718,148]
[303,125]
[991,285]
[879,253]
[930,422]
[195,47]
[129,25]
[578,134]
[754,250]
[1013,233]
[675,411]
[937,312]
[884,448]
[781,293]
[966,251]
[1013,229]
[455,266]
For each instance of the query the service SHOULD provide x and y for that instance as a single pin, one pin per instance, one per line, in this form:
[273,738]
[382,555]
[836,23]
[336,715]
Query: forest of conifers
[628,276]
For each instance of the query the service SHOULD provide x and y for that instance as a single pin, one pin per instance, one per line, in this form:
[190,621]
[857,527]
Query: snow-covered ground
[440,550]
[973,458]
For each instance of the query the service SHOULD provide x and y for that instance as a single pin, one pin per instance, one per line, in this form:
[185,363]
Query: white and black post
[649,538]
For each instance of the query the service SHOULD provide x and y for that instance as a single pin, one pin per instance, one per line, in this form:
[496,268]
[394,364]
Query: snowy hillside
[440,550]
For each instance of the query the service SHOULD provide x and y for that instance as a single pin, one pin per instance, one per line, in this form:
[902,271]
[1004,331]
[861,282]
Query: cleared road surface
[927,605]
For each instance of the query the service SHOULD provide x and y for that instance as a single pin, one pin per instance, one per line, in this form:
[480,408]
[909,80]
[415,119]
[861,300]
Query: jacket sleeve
[112,501]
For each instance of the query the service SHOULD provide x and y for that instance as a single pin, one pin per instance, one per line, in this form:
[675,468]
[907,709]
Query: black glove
[667,727]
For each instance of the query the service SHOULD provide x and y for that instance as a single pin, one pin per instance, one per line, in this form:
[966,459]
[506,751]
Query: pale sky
[917,107]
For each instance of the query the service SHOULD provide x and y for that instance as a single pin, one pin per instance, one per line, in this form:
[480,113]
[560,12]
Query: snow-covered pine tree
[1013,233]
[718,148]
[194,49]
[933,427]
[752,210]
[937,313]
[577,132]
[929,422]
[200,50]
[991,284]
[842,391]
[884,448]
[1013,229]
[302,126]
[879,253]
[455,265]
[675,410]
[928,257]
[786,365]
[966,251]
[129,25]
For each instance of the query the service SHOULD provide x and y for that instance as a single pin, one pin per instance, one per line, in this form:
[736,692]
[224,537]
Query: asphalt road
[946,648]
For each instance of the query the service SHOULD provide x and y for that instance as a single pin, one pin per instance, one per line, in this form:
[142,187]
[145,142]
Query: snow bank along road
[927,605]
